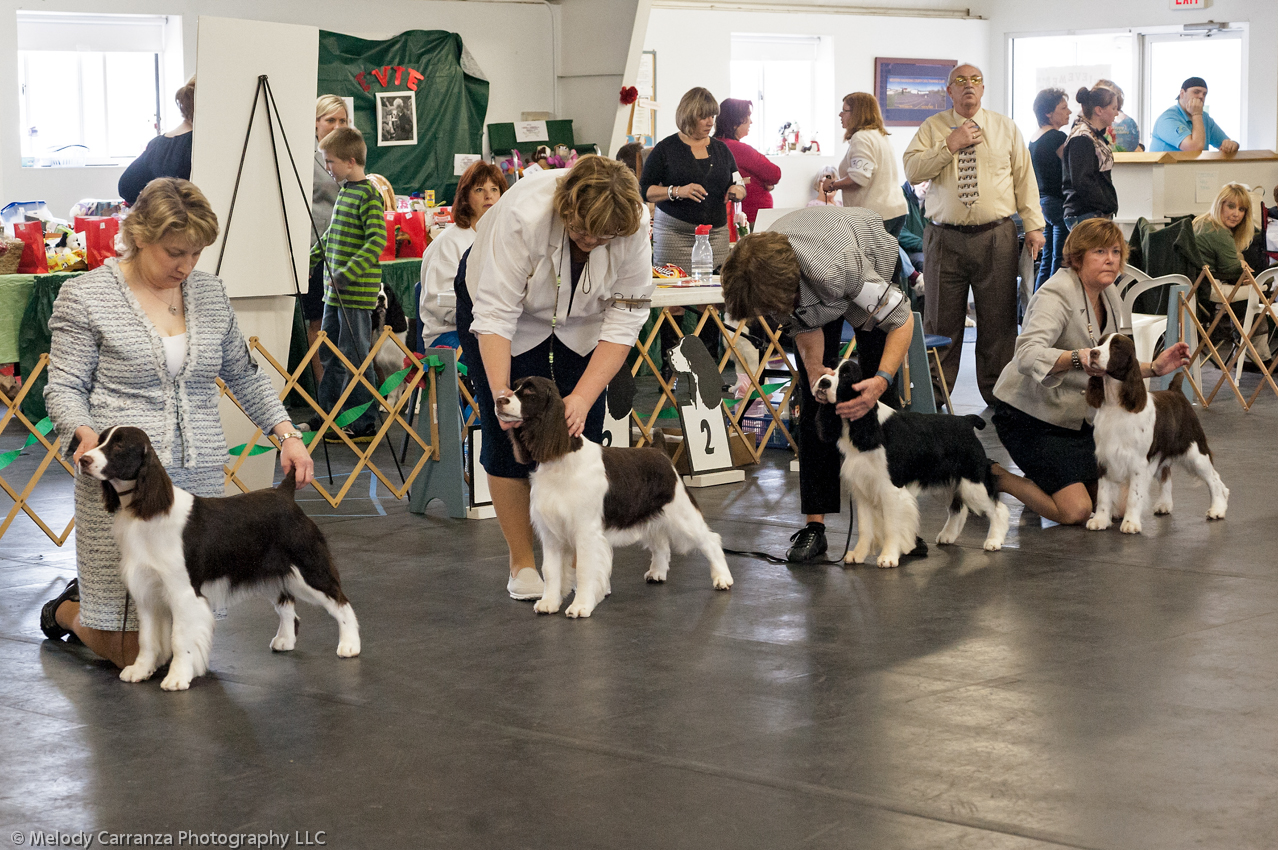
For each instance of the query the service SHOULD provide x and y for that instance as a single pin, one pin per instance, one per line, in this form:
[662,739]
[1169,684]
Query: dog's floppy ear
[521,454]
[1125,366]
[829,427]
[153,492]
[110,498]
[1132,394]
[545,435]
[1095,391]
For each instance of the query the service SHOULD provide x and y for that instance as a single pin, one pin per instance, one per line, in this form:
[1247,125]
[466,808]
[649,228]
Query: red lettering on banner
[413,78]
[359,78]
[399,72]
[382,74]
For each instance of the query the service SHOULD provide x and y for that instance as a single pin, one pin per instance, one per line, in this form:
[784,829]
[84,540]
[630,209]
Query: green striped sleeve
[353,244]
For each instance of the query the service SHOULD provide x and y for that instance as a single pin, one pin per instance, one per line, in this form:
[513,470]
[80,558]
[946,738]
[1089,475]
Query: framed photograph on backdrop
[911,90]
[396,118]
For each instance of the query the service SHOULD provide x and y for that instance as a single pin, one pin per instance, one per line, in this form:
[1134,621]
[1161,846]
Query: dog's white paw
[887,561]
[1099,522]
[722,581]
[654,577]
[1130,526]
[281,644]
[545,606]
[1215,512]
[348,648]
[945,539]
[175,682]
[993,545]
[577,609]
[1163,509]
[136,673]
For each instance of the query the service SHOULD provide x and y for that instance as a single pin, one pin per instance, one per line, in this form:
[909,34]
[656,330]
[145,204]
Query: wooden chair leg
[945,390]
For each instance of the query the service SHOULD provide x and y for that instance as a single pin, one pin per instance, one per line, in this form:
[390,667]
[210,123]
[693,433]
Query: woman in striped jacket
[140,342]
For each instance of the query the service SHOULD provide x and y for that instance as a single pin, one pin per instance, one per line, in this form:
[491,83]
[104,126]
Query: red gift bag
[99,240]
[392,224]
[35,260]
[414,225]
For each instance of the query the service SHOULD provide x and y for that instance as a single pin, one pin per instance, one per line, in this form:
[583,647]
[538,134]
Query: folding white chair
[1145,328]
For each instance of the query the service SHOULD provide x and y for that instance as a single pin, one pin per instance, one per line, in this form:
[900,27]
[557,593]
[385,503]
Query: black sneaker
[809,544]
[48,614]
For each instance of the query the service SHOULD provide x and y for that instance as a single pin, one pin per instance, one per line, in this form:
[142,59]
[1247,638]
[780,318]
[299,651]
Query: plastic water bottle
[702,255]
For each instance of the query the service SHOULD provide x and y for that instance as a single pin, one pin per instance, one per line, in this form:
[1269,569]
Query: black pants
[819,488]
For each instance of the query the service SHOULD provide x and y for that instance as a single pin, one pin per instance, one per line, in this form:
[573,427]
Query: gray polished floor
[1078,689]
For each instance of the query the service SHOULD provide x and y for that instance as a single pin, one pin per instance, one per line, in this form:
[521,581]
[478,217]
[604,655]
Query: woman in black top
[1051,107]
[165,156]
[1087,175]
[688,176]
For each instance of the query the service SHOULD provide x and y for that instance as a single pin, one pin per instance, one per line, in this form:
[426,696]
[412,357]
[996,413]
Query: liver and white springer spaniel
[1139,435]
[587,498]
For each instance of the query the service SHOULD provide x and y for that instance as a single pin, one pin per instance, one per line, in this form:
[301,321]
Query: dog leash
[773,559]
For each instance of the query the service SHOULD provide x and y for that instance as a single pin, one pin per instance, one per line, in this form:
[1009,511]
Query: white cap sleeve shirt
[517,257]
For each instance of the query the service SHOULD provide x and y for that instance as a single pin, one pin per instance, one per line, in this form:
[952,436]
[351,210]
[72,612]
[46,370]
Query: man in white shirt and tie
[981,174]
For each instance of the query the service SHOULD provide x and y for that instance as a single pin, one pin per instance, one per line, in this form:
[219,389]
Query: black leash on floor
[773,559]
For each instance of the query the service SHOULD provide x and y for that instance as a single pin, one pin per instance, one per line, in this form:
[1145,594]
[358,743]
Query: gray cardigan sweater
[1055,321]
[107,367]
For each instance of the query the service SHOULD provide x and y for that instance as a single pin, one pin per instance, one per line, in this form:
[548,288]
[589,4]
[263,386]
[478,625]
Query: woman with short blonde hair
[868,173]
[536,297]
[689,176]
[142,341]
[330,113]
[1039,409]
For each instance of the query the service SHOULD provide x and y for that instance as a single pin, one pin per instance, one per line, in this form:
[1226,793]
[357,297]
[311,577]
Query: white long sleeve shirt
[439,270]
[521,250]
[871,163]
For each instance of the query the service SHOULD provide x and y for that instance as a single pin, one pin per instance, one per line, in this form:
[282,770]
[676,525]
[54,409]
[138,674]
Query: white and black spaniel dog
[180,552]
[587,498]
[1139,435]
[890,456]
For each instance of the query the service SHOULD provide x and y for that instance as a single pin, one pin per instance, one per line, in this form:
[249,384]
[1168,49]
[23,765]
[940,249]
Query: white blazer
[871,163]
[521,249]
[439,270]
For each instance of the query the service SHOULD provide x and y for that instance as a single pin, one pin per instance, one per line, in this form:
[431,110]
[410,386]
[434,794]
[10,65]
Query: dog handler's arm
[607,358]
[1167,362]
[494,350]
[811,346]
[293,454]
[895,347]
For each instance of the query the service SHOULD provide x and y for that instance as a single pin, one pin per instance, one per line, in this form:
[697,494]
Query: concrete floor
[1078,689]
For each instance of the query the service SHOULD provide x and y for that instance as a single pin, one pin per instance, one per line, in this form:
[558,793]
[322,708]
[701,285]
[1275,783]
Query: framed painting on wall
[911,90]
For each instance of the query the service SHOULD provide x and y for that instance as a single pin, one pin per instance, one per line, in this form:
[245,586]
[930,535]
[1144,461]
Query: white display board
[231,55]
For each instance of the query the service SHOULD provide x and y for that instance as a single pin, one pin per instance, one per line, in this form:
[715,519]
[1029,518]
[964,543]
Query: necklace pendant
[172,310]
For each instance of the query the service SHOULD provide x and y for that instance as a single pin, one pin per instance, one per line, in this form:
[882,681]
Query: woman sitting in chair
[1223,234]
[481,185]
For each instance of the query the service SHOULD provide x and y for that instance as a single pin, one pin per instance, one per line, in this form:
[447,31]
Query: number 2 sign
[701,416]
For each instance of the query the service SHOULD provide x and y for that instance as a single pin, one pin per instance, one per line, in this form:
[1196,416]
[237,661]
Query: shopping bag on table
[99,240]
[35,259]
[392,225]
[414,226]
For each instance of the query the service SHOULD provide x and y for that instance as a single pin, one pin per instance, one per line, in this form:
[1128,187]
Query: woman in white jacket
[868,174]
[537,294]
[480,186]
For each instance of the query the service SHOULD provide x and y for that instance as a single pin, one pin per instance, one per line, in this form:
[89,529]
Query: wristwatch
[885,376]
[287,434]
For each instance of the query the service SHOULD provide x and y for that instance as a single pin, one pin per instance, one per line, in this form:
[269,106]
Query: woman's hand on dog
[295,457]
[870,389]
[88,440]
[575,410]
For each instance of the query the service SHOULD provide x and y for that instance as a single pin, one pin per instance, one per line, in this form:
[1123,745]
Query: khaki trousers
[986,264]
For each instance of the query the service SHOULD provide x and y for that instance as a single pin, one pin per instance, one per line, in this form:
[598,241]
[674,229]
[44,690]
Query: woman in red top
[760,174]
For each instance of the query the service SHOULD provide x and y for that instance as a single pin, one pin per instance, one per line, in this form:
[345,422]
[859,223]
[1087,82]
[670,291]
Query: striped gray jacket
[107,367]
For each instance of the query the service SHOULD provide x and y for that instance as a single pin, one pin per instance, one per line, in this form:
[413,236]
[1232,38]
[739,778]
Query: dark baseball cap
[1193,82]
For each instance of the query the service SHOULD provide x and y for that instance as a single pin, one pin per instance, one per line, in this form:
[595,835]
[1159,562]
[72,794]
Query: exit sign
[1189,4]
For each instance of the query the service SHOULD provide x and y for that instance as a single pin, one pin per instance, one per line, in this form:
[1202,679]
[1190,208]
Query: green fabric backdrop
[451,102]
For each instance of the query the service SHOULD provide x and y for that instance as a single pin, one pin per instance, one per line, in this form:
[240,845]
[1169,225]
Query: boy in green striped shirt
[352,276]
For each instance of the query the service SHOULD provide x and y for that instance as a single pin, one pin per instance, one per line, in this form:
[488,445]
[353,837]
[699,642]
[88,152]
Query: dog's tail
[1177,381]
[975,421]
[289,485]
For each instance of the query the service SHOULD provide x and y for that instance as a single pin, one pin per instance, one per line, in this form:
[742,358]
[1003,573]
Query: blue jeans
[354,339]
[1054,234]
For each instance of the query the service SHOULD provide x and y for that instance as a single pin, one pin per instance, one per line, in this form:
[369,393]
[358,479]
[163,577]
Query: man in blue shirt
[1185,127]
